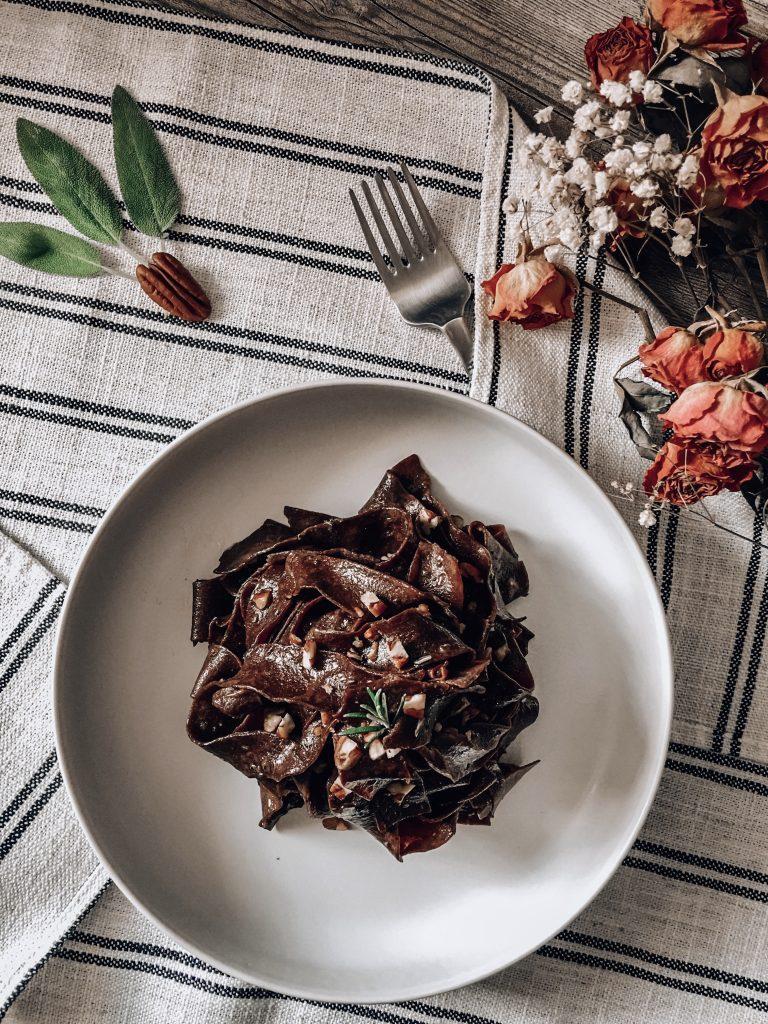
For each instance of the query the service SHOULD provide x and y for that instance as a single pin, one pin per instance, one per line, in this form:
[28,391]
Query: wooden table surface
[530,47]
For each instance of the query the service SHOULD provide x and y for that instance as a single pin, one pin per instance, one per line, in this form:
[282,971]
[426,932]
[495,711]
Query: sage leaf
[76,188]
[47,249]
[149,188]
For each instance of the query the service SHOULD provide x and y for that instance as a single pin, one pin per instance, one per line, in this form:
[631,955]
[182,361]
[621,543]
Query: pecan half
[168,283]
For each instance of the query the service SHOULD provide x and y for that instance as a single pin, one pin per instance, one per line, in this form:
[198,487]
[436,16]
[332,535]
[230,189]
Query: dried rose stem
[637,310]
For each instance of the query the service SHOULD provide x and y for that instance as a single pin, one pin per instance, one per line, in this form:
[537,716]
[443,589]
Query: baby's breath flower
[636,81]
[663,143]
[574,144]
[618,142]
[616,93]
[580,173]
[618,160]
[689,171]
[543,116]
[646,519]
[587,116]
[551,153]
[684,227]
[646,188]
[603,220]
[642,150]
[602,132]
[652,92]
[552,252]
[681,246]
[573,92]
[510,204]
[658,218]
[620,120]
[534,141]
[602,184]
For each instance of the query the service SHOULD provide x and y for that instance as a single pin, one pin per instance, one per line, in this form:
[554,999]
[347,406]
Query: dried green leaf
[638,399]
[147,183]
[49,250]
[75,187]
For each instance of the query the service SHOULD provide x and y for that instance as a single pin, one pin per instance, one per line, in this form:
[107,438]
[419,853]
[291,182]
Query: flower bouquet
[666,150]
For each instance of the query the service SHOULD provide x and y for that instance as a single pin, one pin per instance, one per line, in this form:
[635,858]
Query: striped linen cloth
[268,131]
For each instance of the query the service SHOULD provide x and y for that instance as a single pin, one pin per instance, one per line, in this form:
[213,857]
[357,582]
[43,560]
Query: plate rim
[666,684]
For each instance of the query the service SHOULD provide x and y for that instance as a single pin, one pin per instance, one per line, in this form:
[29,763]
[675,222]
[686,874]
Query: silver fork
[424,279]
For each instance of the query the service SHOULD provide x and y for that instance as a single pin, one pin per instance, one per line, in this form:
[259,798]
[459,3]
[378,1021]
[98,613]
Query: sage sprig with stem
[82,196]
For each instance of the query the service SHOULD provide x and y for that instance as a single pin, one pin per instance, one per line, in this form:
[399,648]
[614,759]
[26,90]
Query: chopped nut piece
[335,825]
[359,612]
[398,654]
[309,654]
[423,608]
[263,599]
[318,730]
[414,705]
[435,521]
[328,687]
[371,633]
[369,737]
[393,751]
[286,727]
[325,718]
[373,651]
[347,753]
[376,750]
[401,789]
[295,640]
[423,660]
[337,789]
[373,603]
[272,720]
[354,655]
[357,642]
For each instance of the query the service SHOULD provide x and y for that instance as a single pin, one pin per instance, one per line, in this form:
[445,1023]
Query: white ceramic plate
[331,915]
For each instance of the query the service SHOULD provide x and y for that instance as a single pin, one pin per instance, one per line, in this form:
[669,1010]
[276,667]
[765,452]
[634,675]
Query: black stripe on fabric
[77,421]
[248,128]
[652,547]
[718,757]
[271,46]
[574,351]
[668,566]
[277,358]
[29,816]
[683,857]
[180,956]
[753,667]
[20,515]
[493,391]
[27,617]
[573,956]
[305,244]
[64,506]
[119,412]
[671,963]
[742,625]
[19,988]
[230,331]
[31,643]
[590,369]
[231,991]
[699,772]
[36,206]
[29,787]
[664,871]
[240,145]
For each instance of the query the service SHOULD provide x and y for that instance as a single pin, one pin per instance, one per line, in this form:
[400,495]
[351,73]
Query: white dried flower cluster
[598,180]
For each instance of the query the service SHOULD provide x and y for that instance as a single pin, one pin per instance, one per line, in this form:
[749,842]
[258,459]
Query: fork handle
[458,333]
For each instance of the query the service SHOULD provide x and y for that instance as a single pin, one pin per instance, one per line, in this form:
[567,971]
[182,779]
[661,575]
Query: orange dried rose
[686,471]
[534,293]
[612,55]
[674,359]
[734,150]
[731,352]
[711,24]
[710,411]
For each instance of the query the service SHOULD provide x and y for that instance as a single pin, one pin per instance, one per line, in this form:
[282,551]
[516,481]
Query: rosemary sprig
[376,714]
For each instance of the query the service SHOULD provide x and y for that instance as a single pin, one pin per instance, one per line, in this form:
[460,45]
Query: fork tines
[423,239]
